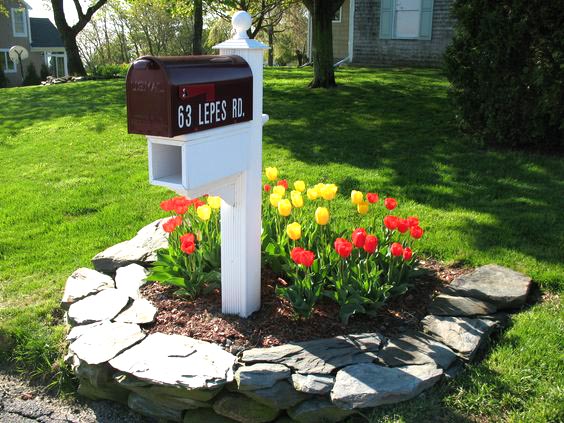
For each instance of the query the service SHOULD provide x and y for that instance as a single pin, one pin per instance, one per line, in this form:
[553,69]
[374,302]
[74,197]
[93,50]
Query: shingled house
[38,35]
[392,32]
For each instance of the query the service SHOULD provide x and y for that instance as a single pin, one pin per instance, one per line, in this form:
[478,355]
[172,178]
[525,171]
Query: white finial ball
[241,21]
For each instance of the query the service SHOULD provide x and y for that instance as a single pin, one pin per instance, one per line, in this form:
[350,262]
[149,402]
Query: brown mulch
[274,323]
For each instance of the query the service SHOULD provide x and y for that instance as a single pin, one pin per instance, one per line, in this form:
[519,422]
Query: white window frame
[13,12]
[340,13]
[8,60]
[55,54]
[395,35]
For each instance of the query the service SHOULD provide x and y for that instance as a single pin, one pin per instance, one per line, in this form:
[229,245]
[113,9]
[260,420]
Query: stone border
[182,379]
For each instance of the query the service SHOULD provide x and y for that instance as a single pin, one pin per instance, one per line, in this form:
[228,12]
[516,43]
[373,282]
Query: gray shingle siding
[369,49]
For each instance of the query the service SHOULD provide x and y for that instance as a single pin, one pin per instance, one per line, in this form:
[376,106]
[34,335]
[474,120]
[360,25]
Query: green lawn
[73,182]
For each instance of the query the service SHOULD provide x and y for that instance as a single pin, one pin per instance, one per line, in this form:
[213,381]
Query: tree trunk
[74,62]
[198,27]
[271,44]
[322,13]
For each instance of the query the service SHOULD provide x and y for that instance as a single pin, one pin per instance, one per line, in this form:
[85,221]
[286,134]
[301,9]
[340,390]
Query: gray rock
[415,348]
[146,388]
[282,395]
[105,305]
[320,356]
[260,376]
[130,278]
[463,334]
[98,375]
[313,384]
[110,391]
[318,410]
[77,331]
[449,305]
[150,409]
[243,409]
[141,311]
[140,249]
[104,342]
[204,415]
[369,385]
[177,360]
[82,283]
[169,401]
[503,287]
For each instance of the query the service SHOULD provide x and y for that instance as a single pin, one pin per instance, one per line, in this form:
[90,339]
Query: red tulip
[167,205]
[390,203]
[370,244]
[407,253]
[372,197]
[188,238]
[391,222]
[283,182]
[403,225]
[343,247]
[171,224]
[416,232]
[295,254]
[359,237]
[413,221]
[307,258]
[267,187]
[188,247]
[396,249]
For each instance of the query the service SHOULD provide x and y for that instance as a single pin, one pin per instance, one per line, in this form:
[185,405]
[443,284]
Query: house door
[56,63]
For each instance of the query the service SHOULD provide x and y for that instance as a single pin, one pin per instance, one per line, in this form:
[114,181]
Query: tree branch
[82,21]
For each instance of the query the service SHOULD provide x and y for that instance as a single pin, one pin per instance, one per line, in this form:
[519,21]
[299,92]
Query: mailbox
[170,96]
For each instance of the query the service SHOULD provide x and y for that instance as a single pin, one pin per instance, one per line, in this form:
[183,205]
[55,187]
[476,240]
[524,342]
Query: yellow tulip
[356,197]
[271,173]
[329,191]
[299,186]
[294,231]
[362,207]
[284,207]
[297,200]
[275,199]
[322,216]
[214,202]
[312,194]
[280,190]
[204,212]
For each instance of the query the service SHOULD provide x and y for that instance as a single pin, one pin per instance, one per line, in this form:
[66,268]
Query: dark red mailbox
[169,96]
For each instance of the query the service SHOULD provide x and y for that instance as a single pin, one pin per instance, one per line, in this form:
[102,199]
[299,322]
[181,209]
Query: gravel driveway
[22,403]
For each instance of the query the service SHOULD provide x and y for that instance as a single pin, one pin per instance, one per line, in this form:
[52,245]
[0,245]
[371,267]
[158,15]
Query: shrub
[31,77]
[505,65]
[44,72]
[111,71]
[3,79]
[358,268]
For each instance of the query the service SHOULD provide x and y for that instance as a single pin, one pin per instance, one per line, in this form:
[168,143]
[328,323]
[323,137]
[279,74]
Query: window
[56,63]
[337,17]
[19,22]
[6,63]
[406,19]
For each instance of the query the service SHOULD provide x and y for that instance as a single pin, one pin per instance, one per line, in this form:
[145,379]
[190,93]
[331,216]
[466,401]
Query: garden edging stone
[188,380]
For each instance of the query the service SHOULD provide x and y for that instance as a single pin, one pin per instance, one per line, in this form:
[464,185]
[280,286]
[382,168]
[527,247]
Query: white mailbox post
[224,161]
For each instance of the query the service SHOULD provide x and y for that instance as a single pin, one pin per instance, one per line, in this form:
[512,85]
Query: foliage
[31,77]
[110,71]
[44,72]
[505,65]
[385,128]
[3,79]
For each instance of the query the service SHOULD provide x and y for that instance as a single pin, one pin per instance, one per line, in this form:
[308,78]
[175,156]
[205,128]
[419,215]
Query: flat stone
[177,360]
[130,278]
[140,311]
[105,305]
[82,283]
[320,356]
[318,410]
[141,387]
[110,391]
[141,249]
[415,348]
[463,334]
[104,342]
[313,384]
[98,375]
[150,409]
[449,305]
[169,401]
[260,376]
[369,385]
[243,409]
[204,415]
[503,287]
[282,395]
[77,331]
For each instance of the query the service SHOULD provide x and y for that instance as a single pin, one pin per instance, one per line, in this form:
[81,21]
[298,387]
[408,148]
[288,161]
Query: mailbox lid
[169,96]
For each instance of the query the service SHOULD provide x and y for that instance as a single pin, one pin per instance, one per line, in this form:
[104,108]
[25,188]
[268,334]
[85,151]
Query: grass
[74,182]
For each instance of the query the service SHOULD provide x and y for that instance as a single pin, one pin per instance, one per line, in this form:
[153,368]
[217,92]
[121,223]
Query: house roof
[44,33]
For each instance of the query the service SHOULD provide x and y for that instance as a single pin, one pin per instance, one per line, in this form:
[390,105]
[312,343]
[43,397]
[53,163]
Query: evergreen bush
[3,79]
[44,72]
[31,77]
